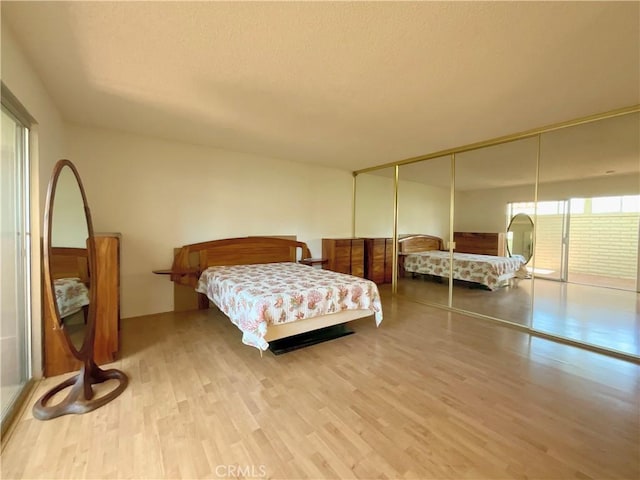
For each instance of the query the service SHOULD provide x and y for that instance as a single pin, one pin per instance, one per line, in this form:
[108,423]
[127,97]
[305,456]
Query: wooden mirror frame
[80,398]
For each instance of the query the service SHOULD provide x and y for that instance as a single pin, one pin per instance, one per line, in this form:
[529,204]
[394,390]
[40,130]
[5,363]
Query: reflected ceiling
[607,147]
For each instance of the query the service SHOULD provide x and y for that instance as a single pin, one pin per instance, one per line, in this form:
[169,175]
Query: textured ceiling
[349,84]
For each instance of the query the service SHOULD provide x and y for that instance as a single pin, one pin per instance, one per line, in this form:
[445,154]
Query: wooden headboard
[70,262]
[419,243]
[195,258]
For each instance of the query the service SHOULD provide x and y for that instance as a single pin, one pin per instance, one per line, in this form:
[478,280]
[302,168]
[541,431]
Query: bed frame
[191,260]
[419,243]
[415,243]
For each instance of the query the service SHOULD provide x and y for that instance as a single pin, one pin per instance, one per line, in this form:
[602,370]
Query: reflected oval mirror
[520,236]
[69,228]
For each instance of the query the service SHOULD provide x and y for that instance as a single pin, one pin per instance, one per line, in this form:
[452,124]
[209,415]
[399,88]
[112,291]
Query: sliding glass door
[15,267]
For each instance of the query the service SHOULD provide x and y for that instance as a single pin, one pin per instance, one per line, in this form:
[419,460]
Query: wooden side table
[315,261]
[184,295]
[175,272]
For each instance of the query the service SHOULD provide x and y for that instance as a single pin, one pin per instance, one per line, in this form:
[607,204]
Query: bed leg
[203,301]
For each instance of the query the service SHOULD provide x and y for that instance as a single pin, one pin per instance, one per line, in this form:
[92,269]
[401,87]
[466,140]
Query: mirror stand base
[81,397]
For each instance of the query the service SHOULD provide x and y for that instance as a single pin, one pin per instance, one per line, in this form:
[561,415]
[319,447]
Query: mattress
[71,295]
[259,295]
[487,270]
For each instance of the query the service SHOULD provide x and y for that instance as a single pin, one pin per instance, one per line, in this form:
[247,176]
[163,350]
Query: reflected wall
[374,203]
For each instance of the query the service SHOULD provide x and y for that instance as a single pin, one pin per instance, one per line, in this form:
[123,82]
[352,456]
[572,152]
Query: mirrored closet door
[424,216]
[586,251]
[488,182]
[556,213]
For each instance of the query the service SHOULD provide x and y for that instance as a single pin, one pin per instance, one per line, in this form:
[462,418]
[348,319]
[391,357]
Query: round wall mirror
[70,265]
[520,236]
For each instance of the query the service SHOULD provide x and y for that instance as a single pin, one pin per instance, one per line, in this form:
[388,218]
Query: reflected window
[620,204]
[577,206]
[520,207]
[544,208]
[550,208]
[606,204]
[631,204]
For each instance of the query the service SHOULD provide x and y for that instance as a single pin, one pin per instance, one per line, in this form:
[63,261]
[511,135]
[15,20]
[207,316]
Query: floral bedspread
[256,296]
[484,269]
[71,295]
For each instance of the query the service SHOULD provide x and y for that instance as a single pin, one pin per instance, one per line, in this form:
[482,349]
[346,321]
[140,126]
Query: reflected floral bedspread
[256,296]
[487,270]
[71,295]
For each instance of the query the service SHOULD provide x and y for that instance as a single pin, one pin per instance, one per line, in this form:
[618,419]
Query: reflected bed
[423,254]
[71,295]
[70,272]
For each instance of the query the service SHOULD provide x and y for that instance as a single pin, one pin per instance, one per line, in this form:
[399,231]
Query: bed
[424,254]
[258,284]
[71,295]
[70,272]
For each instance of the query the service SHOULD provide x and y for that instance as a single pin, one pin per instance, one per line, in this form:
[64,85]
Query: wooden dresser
[57,357]
[344,255]
[378,259]
[480,243]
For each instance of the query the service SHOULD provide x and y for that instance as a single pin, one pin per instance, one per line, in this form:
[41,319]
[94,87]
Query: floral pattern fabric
[484,269]
[256,296]
[71,295]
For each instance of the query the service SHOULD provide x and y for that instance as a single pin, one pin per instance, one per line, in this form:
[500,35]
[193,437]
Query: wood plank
[107,281]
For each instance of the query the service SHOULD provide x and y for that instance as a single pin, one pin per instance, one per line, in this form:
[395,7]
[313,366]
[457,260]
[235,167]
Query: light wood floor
[429,394]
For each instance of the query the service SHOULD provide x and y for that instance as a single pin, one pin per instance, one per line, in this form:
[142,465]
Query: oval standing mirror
[68,258]
[520,236]
[69,266]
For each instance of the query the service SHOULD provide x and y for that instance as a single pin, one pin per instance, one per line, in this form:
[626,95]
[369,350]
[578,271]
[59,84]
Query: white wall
[47,146]
[374,205]
[161,195]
